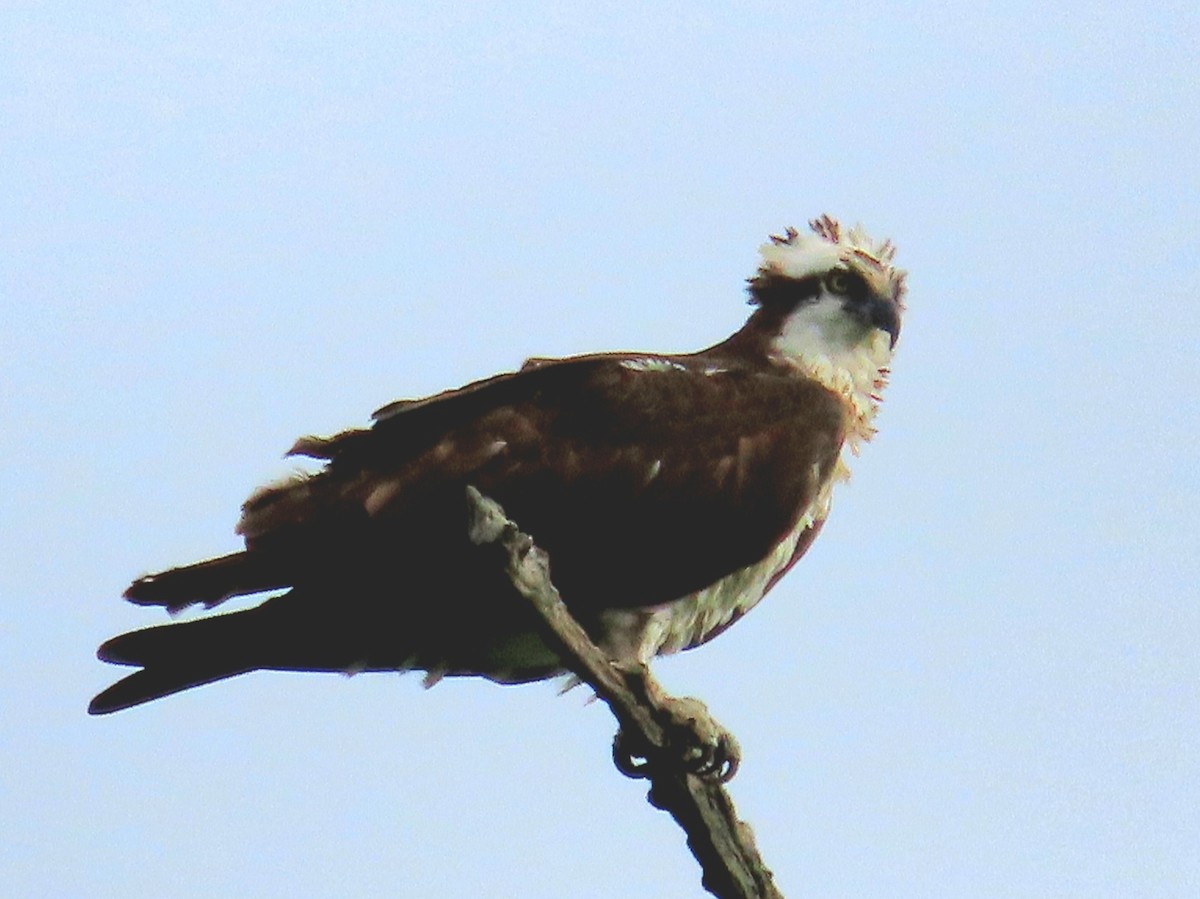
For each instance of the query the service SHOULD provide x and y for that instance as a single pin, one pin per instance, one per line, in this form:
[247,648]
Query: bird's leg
[693,738]
[660,730]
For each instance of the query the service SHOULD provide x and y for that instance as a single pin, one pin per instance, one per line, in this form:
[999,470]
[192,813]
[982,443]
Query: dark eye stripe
[844,282]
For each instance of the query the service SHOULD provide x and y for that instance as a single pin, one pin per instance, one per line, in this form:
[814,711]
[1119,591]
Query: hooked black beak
[877,312]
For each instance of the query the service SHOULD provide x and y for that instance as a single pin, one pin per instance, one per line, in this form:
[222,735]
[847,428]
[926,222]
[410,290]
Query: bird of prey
[671,492]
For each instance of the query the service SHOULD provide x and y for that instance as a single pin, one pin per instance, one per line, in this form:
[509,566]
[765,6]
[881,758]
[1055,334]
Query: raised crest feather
[797,255]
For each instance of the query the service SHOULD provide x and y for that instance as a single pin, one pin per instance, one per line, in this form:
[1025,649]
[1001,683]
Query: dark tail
[175,657]
[210,582]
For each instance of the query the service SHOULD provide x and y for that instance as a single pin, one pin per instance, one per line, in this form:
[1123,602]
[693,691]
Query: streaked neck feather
[845,357]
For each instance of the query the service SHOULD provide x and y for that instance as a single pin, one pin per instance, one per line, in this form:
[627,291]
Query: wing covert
[643,481]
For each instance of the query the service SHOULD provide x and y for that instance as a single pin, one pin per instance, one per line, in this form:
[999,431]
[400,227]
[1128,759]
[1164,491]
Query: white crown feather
[796,255]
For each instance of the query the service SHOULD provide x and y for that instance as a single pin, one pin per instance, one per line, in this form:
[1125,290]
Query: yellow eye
[839,281]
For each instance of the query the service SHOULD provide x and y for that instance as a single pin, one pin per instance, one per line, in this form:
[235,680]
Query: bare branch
[722,844]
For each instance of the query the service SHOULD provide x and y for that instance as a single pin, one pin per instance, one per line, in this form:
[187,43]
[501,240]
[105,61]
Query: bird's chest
[694,619]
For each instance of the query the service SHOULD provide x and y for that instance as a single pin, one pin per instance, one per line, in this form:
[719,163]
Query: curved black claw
[626,753]
[706,748]
[696,743]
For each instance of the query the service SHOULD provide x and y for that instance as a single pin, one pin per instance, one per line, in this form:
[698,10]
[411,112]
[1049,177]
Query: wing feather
[645,482]
[646,479]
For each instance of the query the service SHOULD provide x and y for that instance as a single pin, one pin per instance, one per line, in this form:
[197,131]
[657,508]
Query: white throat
[843,354]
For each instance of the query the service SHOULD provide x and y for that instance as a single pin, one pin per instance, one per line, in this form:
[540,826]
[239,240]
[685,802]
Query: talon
[694,741]
[625,757]
[699,745]
[704,746]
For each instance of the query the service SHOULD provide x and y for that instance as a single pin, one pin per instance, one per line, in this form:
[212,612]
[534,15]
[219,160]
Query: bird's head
[831,303]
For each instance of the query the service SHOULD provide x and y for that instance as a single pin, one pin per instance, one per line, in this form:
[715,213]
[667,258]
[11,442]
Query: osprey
[670,491]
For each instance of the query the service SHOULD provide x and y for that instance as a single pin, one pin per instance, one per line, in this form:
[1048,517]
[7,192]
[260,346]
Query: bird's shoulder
[717,452]
[609,397]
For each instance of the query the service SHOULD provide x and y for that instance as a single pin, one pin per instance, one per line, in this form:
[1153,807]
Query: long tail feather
[210,582]
[151,683]
[175,657]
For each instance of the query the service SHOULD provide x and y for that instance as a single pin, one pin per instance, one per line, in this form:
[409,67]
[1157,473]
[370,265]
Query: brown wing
[645,478]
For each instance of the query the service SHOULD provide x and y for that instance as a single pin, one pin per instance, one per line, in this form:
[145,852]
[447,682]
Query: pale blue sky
[226,225]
